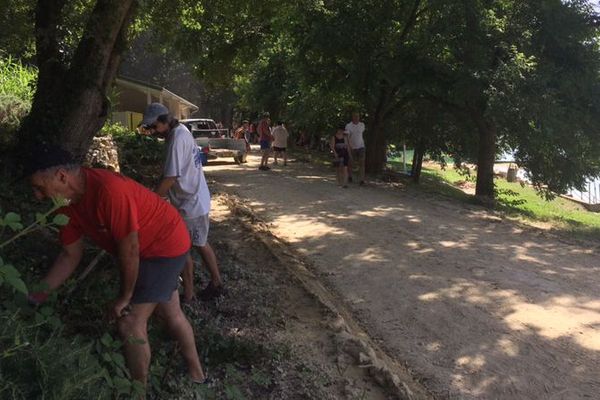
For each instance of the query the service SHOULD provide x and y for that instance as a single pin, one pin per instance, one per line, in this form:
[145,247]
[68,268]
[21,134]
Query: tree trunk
[486,156]
[417,164]
[375,149]
[70,104]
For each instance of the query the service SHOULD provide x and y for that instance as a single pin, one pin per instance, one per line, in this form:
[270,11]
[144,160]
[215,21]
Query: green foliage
[8,273]
[13,221]
[17,85]
[17,79]
[12,277]
[115,372]
[39,356]
[16,36]
[115,130]
[139,154]
[441,76]
[39,361]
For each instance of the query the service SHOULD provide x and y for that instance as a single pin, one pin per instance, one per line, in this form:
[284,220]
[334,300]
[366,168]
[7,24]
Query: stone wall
[103,153]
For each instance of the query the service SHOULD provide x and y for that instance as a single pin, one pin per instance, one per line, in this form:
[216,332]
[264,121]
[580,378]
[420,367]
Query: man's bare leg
[350,165]
[265,158]
[187,275]
[133,329]
[361,166]
[182,332]
[210,260]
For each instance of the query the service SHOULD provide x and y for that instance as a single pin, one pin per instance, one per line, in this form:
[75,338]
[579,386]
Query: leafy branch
[13,221]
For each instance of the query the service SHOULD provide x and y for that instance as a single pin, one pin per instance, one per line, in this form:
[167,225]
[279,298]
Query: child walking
[340,147]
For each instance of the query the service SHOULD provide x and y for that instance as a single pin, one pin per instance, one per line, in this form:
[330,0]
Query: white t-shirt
[280,136]
[355,134]
[189,194]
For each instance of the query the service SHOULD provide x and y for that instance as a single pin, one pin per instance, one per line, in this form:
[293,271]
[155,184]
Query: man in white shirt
[355,130]
[185,185]
[280,137]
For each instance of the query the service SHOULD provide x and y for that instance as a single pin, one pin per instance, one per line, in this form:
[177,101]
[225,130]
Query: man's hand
[117,309]
[37,298]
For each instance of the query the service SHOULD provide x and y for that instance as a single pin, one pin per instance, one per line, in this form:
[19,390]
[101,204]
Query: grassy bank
[517,200]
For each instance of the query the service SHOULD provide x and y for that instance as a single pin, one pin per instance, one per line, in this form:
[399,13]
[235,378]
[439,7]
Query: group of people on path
[151,235]
[347,146]
[272,140]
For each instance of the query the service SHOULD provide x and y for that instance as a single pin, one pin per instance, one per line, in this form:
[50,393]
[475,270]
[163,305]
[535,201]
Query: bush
[140,156]
[43,356]
[17,86]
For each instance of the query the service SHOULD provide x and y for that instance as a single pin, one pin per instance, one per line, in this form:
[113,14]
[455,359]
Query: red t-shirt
[264,131]
[113,206]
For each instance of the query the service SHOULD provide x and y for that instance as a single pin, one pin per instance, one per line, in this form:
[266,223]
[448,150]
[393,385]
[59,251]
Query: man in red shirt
[145,233]
[264,131]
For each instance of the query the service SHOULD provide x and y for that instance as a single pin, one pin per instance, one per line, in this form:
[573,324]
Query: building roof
[156,90]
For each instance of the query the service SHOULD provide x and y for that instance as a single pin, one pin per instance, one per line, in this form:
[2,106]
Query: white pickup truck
[215,142]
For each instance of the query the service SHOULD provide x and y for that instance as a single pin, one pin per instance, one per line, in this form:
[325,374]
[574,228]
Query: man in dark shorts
[145,233]
[265,139]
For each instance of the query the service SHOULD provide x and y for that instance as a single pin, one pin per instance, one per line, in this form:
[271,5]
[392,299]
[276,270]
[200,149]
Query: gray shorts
[198,229]
[157,279]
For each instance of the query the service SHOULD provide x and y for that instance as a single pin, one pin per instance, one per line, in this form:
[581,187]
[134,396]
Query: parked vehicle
[215,142]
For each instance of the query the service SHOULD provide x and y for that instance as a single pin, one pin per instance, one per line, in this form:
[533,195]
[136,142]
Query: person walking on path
[243,133]
[355,130]
[341,155]
[146,235]
[265,139]
[185,185]
[280,138]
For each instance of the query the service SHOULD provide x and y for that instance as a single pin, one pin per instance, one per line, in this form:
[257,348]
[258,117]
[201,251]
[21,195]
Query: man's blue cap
[152,112]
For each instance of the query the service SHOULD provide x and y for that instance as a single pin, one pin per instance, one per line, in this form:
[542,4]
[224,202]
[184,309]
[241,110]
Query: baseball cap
[152,112]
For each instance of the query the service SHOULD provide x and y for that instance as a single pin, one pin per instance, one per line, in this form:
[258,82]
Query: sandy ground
[277,341]
[476,306]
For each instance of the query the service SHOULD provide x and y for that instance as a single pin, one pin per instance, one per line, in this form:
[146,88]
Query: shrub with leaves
[40,356]
[17,85]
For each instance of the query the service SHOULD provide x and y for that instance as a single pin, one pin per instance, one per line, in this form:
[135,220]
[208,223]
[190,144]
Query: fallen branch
[87,271]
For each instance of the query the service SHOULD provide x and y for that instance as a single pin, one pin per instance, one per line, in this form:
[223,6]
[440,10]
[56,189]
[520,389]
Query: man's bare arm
[64,265]
[128,250]
[165,184]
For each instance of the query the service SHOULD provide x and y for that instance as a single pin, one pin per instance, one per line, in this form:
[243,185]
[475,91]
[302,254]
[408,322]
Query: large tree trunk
[486,156]
[70,104]
[375,136]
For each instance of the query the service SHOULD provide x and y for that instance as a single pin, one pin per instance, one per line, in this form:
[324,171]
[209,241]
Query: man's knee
[130,325]
[174,317]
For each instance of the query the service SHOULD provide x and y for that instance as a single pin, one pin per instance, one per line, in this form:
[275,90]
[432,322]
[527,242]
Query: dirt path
[268,337]
[477,307]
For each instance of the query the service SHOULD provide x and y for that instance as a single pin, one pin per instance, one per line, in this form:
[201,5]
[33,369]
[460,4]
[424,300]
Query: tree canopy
[468,77]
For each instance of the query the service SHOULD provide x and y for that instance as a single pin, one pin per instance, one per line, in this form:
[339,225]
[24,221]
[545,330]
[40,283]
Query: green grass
[17,79]
[522,201]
